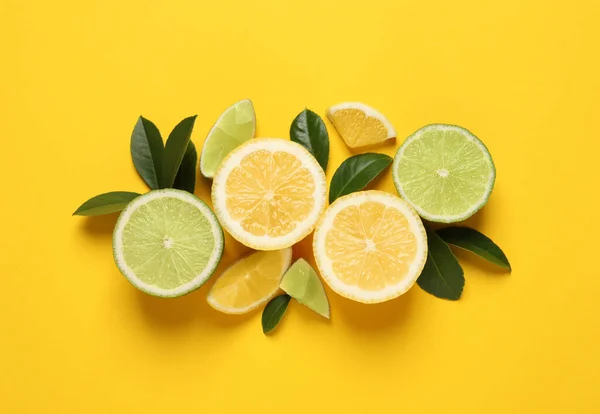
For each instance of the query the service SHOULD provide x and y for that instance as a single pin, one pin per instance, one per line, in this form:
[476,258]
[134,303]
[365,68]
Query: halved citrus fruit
[370,246]
[445,172]
[269,193]
[250,281]
[234,127]
[360,125]
[167,242]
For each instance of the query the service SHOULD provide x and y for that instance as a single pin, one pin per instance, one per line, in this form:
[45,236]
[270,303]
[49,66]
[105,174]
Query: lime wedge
[303,284]
[234,127]
[167,242]
[445,172]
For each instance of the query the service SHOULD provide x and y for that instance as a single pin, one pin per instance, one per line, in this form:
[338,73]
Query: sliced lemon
[250,281]
[268,193]
[360,125]
[370,246]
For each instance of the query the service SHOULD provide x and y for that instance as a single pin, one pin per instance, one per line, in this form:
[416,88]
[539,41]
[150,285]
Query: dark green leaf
[186,176]
[308,130]
[356,172]
[475,242]
[274,311]
[442,276]
[175,149]
[147,152]
[105,203]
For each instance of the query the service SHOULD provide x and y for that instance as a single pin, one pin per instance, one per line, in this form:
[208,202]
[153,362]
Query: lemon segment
[360,125]
[249,282]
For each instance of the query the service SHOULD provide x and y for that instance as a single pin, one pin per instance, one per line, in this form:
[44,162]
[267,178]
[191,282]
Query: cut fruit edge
[233,159]
[286,263]
[324,264]
[215,125]
[369,111]
[301,297]
[471,137]
[197,281]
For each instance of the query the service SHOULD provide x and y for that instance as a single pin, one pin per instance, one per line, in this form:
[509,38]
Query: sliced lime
[303,284]
[234,127]
[167,242]
[445,172]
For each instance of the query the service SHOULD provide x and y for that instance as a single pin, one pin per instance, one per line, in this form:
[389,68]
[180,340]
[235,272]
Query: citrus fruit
[235,126]
[445,172]
[303,284]
[167,242]
[360,125]
[370,246]
[268,193]
[250,281]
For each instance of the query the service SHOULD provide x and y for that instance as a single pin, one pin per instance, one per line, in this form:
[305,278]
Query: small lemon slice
[360,125]
[249,282]
[268,193]
[370,246]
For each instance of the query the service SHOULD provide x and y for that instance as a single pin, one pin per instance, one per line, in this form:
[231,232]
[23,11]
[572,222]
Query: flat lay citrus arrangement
[219,279]
[369,246]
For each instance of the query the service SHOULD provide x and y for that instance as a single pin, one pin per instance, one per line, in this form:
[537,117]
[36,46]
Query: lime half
[167,242]
[303,284]
[234,127]
[445,172]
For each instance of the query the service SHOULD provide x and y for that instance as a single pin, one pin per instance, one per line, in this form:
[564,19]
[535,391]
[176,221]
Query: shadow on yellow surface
[100,227]
[371,318]
[171,313]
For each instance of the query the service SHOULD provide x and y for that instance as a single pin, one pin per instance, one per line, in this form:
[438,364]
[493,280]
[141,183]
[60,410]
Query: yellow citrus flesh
[359,125]
[370,246]
[270,194]
[250,281]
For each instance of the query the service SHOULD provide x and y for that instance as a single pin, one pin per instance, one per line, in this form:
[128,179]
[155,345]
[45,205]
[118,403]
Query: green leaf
[147,152]
[274,311]
[175,149]
[105,203]
[186,176]
[356,172]
[475,242]
[308,130]
[442,275]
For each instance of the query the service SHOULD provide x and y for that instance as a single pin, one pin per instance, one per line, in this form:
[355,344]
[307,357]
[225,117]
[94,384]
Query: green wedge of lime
[303,284]
[234,127]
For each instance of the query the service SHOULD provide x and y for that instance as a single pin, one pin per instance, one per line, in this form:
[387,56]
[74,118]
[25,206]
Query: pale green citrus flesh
[235,126]
[167,243]
[444,172]
[303,284]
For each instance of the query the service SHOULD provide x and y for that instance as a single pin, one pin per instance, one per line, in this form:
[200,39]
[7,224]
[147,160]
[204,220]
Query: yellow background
[76,337]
